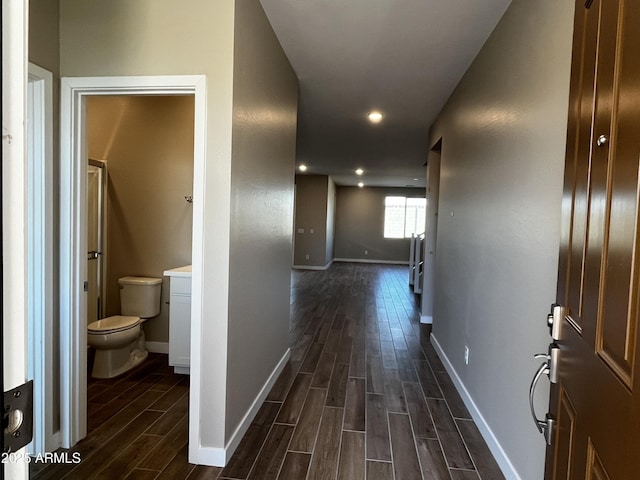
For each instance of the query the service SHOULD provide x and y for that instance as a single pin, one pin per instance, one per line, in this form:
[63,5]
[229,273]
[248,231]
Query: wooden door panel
[595,468]
[565,437]
[577,187]
[605,14]
[602,407]
[616,340]
[596,403]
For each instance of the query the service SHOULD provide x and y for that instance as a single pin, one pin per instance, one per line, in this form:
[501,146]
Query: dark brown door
[596,401]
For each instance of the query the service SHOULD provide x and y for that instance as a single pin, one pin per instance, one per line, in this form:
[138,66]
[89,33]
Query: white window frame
[387,231]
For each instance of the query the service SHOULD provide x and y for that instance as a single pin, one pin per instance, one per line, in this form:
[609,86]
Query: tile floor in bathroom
[363,396]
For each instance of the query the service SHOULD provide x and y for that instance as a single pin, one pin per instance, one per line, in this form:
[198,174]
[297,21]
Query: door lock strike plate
[17,421]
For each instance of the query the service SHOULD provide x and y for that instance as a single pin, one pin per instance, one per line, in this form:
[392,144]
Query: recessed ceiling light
[415,179]
[302,168]
[375,117]
[359,171]
[361,184]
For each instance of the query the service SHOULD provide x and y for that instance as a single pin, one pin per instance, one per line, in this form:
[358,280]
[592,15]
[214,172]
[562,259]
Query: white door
[14,318]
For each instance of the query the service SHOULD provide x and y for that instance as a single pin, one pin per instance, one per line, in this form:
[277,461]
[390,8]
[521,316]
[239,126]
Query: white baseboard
[313,267]
[426,319]
[498,452]
[218,457]
[366,260]
[215,457]
[232,444]
[158,347]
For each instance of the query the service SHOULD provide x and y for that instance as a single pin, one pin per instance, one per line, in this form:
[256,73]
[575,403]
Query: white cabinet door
[180,332]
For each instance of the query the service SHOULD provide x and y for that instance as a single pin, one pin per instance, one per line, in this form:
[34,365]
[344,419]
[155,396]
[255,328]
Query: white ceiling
[402,57]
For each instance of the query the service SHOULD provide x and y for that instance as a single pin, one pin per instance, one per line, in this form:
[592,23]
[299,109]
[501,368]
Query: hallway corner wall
[331,222]
[265,105]
[148,37]
[312,221]
[503,143]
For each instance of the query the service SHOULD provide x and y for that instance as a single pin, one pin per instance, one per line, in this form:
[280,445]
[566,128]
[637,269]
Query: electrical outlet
[307,257]
[366,252]
[466,355]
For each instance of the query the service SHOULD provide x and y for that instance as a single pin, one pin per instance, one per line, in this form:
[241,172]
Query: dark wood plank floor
[363,396]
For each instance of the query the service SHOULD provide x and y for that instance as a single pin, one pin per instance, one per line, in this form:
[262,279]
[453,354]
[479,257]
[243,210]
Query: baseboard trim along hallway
[498,452]
[220,456]
[242,428]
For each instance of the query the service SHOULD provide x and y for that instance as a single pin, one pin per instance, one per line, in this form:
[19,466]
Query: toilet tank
[140,296]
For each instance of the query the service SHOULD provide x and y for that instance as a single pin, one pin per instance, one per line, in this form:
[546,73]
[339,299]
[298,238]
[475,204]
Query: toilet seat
[117,323]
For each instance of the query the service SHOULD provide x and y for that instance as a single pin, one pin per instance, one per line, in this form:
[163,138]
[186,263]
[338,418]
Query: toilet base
[111,363]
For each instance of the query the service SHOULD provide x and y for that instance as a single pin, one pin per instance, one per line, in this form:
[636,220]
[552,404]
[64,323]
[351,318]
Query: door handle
[93,254]
[546,426]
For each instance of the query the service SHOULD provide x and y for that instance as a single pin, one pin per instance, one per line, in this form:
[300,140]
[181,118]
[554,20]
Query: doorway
[431,233]
[40,258]
[74,234]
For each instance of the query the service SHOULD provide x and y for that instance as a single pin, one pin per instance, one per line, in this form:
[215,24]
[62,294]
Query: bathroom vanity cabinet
[180,318]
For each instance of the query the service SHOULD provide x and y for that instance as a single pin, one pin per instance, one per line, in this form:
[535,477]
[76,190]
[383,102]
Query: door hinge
[17,421]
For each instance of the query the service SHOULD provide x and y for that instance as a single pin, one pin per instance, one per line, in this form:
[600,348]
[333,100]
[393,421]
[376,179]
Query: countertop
[179,272]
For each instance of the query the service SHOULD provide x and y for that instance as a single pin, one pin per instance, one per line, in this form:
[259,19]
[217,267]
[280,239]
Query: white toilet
[119,340]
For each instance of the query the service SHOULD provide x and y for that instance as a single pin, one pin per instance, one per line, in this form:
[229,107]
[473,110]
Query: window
[404,216]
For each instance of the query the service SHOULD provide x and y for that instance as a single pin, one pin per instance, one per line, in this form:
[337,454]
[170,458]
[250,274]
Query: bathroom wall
[360,224]
[503,142]
[147,144]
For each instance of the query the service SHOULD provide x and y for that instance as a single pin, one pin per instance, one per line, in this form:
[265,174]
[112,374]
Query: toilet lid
[113,324]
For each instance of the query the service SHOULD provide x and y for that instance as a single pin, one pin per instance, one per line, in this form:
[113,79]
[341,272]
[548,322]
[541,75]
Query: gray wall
[331,221]
[503,142]
[360,224]
[148,37]
[312,206]
[147,144]
[264,135]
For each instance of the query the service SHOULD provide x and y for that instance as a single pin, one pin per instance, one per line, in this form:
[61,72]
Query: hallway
[363,396]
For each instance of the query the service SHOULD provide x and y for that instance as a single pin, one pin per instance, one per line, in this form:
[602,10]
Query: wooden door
[596,401]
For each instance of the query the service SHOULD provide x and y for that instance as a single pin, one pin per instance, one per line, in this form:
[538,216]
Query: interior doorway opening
[74,236]
[431,231]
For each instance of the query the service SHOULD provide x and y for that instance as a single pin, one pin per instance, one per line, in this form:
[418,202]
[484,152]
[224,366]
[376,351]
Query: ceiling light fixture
[361,184]
[375,117]
[302,168]
[359,171]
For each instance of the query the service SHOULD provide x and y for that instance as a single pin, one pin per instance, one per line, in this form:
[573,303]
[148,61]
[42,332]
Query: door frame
[40,250]
[14,254]
[434,162]
[73,235]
